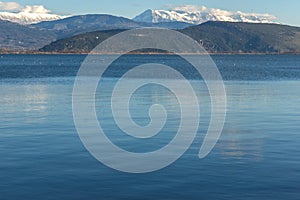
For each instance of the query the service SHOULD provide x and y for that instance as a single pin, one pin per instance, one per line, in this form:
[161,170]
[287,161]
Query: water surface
[257,156]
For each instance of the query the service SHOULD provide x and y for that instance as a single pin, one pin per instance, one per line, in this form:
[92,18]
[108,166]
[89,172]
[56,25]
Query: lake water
[256,157]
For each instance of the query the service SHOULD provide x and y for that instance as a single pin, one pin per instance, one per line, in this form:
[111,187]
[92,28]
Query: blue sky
[287,11]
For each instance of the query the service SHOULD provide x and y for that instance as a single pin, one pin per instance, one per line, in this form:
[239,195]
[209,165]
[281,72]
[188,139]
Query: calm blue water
[257,156]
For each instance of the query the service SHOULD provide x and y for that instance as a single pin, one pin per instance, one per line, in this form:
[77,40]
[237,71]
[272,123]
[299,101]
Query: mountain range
[14,33]
[187,14]
[198,15]
[216,37]
[92,22]
[28,30]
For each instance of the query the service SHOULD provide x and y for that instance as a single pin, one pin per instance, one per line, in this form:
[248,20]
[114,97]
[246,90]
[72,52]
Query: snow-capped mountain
[28,17]
[198,15]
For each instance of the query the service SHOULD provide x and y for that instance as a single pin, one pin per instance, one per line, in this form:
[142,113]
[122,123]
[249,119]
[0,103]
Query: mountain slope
[86,23]
[214,36]
[14,36]
[198,15]
[67,27]
[81,43]
[246,37]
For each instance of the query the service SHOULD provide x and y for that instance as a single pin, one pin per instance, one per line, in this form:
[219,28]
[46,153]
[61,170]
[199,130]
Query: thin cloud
[15,7]
[168,6]
[10,6]
[35,9]
[190,8]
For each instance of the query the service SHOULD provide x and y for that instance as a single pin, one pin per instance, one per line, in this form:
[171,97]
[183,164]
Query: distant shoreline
[140,53]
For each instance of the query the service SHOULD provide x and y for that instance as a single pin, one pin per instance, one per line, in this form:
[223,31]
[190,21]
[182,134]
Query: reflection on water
[28,98]
[233,147]
[255,113]
[35,98]
[24,104]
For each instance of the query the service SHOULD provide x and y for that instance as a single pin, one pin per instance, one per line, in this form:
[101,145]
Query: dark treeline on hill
[216,37]
[82,43]
[246,37]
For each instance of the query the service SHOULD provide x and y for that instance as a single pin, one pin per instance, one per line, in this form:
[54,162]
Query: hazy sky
[287,11]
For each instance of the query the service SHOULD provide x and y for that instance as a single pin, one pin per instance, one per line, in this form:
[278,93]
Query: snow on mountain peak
[28,18]
[197,15]
[27,14]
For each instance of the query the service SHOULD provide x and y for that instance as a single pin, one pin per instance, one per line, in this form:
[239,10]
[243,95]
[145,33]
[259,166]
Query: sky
[287,11]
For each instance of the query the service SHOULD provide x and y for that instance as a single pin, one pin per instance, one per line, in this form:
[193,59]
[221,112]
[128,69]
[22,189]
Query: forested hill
[216,37]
